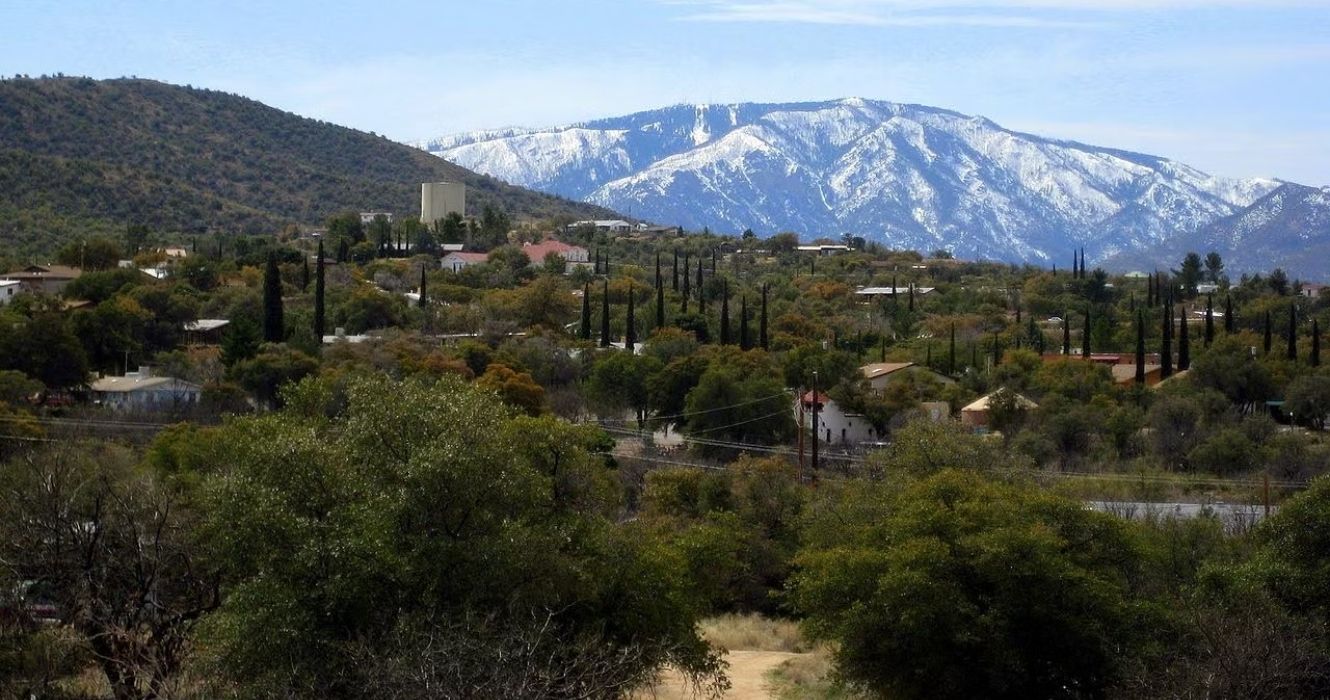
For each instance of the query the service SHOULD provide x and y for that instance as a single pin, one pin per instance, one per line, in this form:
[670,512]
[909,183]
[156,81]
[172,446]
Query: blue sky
[1234,87]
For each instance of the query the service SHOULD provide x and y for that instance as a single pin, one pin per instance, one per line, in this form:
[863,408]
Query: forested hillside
[78,154]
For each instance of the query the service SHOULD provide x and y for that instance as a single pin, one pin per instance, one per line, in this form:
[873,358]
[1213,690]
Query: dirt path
[747,672]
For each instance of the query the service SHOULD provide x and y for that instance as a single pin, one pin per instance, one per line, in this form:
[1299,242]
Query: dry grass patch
[754,633]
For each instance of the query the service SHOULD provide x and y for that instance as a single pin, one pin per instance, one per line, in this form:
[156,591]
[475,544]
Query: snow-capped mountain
[908,175]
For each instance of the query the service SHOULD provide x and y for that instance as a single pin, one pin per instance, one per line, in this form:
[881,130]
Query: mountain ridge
[906,175]
[79,155]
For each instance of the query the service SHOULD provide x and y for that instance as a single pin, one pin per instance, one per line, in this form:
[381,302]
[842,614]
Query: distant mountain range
[910,176]
[80,155]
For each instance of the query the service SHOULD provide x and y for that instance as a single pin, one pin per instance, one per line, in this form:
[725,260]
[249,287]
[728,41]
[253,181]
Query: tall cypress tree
[660,304]
[318,294]
[713,261]
[1085,339]
[911,297]
[725,313]
[674,270]
[1184,343]
[997,350]
[951,351]
[762,325]
[895,302]
[304,276]
[1166,346]
[744,342]
[1230,325]
[605,314]
[1316,343]
[1292,332]
[687,291]
[701,290]
[423,293]
[1150,290]
[630,325]
[584,330]
[274,329]
[1066,333]
[1209,319]
[595,269]
[1140,346]
[1269,338]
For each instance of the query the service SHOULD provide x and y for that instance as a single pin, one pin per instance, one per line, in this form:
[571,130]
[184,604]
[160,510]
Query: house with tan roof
[880,374]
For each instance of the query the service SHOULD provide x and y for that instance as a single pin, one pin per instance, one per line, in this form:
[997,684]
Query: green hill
[79,155]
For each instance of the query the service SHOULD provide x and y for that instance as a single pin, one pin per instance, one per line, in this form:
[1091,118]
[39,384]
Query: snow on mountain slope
[906,175]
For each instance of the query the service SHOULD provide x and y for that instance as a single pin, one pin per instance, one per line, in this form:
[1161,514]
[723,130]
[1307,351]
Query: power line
[696,413]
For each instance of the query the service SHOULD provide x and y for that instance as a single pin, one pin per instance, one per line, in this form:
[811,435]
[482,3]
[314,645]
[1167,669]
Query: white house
[8,290]
[834,425]
[141,390]
[458,261]
[606,225]
[537,252]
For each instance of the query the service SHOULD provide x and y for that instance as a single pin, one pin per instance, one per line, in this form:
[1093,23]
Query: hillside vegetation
[80,155]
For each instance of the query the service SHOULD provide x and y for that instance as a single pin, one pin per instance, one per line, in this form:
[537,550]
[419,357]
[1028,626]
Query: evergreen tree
[1292,332]
[584,330]
[1150,291]
[304,275]
[744,342]
[713,261]
[1316,343]
[630,325]
[762,324]
[274,330]
[1184,343]
[725,313]
[1209,319]
[687,291]
[1269,339]
[1166,346]
[660,303]
[951,351]
[674,270]
[318,295]
[605,314]
[1229,322]
[911,307]
[997,350]
[895,300]
[1140,347]
[701,290]
[424,300]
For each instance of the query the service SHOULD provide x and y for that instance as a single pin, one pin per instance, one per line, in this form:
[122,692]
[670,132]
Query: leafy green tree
[272,368]
[1228,367]
[1214,267]
[1307,399]
[730,403]
[44,348]
[954,586]
[373,523]
[619,381]
[90,254]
